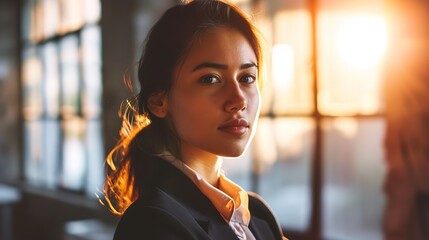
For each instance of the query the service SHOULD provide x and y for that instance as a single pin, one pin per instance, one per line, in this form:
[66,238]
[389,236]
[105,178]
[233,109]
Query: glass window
[91,10]
[61,85]
[72,15]
[51,83]
[36,21]
[69,50]
[95,156]
[291,57]
[51,15]
[51,149]
[91,66]
[283,152]
[33,154]
[32,71]
[73,167]
[354,170]
[351,50]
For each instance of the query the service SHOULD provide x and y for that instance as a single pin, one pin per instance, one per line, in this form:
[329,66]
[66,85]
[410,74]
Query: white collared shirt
[230,200]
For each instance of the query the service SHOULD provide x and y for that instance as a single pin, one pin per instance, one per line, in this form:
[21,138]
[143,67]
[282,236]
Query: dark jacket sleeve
[147,222]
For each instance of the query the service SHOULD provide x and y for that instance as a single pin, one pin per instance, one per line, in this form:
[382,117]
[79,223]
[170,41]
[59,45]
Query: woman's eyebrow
[210,65]
[248,65]
[222,66]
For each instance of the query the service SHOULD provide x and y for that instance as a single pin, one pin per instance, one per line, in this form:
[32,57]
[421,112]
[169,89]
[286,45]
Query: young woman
[199,101]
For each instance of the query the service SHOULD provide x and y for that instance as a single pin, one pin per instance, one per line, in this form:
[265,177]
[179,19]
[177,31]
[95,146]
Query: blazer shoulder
[157,216]
[258,207]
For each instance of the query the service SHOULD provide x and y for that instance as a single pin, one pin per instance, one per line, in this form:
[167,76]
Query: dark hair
[143,134]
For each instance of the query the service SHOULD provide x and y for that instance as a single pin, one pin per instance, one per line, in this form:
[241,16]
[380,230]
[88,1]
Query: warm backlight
[362,41]
[350,62]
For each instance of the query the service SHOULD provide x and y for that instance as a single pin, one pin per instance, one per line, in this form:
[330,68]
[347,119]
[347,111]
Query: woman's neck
[206,164]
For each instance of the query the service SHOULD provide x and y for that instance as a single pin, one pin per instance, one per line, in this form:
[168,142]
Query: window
[317,157]
[61,89]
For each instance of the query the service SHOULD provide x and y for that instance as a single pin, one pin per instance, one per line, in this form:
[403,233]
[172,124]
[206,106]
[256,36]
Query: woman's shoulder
[259,207]
[158,216]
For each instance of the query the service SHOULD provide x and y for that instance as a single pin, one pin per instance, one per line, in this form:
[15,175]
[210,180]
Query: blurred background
[342,148]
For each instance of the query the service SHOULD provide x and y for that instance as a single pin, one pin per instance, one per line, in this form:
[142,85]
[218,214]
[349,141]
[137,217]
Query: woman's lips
[236,127]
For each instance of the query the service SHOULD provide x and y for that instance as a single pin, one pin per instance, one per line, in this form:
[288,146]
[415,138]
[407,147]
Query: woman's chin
[233,154]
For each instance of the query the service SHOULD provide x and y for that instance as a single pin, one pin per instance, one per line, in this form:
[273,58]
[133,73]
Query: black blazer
[171,207]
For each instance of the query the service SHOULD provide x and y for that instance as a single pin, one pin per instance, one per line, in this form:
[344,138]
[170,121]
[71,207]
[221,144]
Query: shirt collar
[230,200]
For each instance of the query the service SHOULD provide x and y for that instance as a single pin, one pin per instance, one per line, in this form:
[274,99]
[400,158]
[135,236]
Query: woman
[199,101]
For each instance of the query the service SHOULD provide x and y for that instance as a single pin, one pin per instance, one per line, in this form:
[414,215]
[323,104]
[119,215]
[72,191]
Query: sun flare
[362,41]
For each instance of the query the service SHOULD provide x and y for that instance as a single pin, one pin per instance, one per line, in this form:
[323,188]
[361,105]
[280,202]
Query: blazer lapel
[211,221]
[221,230]
[182,189]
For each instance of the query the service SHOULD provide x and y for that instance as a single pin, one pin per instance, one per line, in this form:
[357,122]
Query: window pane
[291,58]
[36,22]
[51,152]
[61,89]
[31,84]
[70,75]
[33,152]
[92,10]
[41,152]
[71,15]
[51,84]
[73,155]
[283,151]
[353,171]
[351,50]
[91,63]
[95,157]
[51,17]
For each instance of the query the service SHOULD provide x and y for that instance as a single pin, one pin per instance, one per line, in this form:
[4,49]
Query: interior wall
[406,89]
[10,130]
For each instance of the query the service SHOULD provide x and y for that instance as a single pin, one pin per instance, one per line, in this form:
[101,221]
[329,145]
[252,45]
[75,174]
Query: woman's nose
[236,100]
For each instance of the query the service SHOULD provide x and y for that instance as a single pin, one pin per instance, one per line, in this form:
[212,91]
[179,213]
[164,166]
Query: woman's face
[214,100]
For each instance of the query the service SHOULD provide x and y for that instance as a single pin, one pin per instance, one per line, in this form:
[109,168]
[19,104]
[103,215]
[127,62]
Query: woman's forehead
[221,45]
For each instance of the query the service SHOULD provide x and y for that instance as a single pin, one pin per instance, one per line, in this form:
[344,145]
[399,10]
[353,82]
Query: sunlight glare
[362,41]
[283,66]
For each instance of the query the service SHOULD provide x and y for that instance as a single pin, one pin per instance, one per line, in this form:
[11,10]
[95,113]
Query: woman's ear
[158,104]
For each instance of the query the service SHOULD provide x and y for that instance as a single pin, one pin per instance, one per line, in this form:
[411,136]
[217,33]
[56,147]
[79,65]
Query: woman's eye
[248,79]
[210,79]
